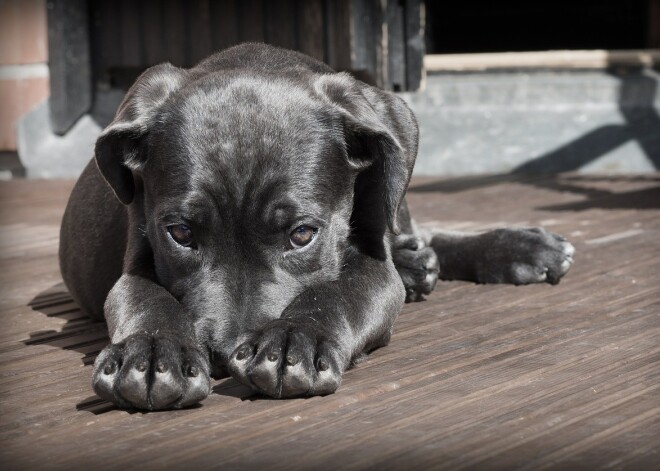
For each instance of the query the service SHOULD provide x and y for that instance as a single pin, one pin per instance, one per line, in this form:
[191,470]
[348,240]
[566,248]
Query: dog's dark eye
[181,234]
[301,236]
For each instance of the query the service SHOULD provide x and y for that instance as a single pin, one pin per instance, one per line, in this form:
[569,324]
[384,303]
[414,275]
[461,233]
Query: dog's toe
[287,360]
[106,371]
[151,373]
[417,267]
[539,256]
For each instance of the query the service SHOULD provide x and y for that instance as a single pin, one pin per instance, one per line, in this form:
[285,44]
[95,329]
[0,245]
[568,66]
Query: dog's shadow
[82,334]
[79,333]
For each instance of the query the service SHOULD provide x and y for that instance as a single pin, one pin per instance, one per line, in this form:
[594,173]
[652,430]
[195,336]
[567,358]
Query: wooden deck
[480,377]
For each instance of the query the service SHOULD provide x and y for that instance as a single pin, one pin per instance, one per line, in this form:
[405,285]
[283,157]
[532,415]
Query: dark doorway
[523,25]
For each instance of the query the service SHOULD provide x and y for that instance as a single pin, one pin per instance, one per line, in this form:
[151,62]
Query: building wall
[23,63]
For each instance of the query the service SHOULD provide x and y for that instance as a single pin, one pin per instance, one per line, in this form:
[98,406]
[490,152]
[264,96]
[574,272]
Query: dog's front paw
[151,372]
[526,255]
[417,265]
[288,359]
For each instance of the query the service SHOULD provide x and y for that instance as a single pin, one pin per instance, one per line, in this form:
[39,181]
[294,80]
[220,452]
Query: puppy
[247,216]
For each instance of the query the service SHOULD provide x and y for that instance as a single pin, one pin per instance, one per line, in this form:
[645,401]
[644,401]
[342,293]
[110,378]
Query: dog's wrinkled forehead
[248,129]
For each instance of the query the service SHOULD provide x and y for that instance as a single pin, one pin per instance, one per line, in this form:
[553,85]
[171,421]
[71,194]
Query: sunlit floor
[479,377]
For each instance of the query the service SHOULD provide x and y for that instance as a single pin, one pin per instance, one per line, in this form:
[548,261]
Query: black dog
[258,225]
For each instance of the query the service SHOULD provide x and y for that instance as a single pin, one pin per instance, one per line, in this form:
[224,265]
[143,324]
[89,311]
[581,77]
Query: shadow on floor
[591,188]
[89,337]
[647,198]
[79,333]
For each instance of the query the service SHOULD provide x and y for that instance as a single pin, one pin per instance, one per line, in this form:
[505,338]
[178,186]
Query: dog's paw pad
[151,373]
[417,265]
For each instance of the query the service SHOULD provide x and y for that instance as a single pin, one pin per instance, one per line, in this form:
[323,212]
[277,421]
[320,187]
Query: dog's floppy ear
[121,147]
[381,134]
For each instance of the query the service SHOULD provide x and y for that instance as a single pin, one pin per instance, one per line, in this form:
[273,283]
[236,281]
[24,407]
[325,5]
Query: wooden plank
[367,55]
[132,44]
[475,377]
[101,35]
[653,41]
[311,34]
[281,23]
[339,36]
[199,30]
[224,24]
[175,37]
[152,25]
[70,63]
[594,59]
[415,47]
[396,46]
[251,20]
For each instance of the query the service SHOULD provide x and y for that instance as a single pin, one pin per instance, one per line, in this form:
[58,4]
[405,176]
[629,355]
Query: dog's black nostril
[161,367]
[109,369]
[323,364]
[241,354]
[141,367]
[193,371]
[274,356]
[292,360]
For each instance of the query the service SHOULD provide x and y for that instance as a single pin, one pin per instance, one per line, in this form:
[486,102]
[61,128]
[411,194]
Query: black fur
[242,149]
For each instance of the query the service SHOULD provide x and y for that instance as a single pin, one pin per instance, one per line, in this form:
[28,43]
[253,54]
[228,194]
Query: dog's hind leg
[517,256]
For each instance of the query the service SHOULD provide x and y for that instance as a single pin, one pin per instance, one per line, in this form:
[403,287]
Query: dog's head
[253,187]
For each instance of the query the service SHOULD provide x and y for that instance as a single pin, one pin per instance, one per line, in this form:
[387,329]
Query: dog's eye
[301,236]
[181,234]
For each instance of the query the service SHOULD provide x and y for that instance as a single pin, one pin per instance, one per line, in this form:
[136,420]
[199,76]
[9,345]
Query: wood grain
[476,377]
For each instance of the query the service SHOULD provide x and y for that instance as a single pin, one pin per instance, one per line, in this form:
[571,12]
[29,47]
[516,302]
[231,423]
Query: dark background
[529,25]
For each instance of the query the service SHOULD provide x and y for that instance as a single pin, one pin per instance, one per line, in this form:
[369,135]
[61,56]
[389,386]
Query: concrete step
[539,121]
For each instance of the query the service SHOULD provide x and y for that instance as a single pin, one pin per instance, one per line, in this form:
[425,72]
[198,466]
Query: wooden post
[415,48]
[367,41]
[396,50]
[386,39]
[654,25]
[69,61]
[311,31]
[338,38]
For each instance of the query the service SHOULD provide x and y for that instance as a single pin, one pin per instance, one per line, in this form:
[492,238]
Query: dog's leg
[319,335]
[416,262]
[154,361]
[511,255]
